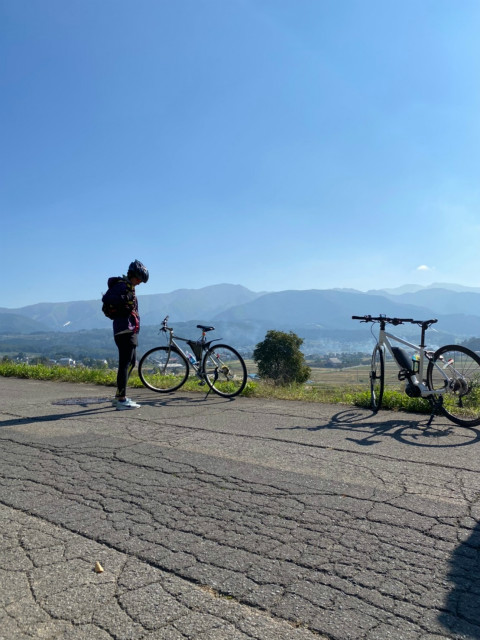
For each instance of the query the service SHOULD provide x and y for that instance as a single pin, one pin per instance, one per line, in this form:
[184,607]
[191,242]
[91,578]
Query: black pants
[127,356]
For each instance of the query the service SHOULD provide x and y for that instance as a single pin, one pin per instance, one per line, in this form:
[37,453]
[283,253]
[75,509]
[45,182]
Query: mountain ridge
[321,316]
[184,304]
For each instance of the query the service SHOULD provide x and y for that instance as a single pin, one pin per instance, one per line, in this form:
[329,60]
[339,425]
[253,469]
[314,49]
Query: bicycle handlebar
[394,321]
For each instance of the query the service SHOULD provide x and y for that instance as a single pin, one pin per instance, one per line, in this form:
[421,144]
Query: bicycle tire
[461,399]
[163,369]
[377,378]
[224,370]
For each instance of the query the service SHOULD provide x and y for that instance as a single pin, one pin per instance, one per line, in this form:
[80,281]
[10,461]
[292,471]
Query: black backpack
[115,305]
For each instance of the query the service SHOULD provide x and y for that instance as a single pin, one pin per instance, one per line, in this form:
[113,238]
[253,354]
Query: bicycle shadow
[174,399]
[85,403]
[461,611]
[420,433]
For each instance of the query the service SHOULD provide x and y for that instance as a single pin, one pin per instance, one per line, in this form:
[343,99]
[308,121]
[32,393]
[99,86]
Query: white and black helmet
[138,270]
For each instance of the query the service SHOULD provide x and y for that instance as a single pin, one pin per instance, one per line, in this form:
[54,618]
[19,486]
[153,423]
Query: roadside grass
[348,391]
[61,374]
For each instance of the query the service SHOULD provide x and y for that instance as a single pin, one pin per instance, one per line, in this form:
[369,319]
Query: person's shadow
[86,410]
[88,407]
[461,611]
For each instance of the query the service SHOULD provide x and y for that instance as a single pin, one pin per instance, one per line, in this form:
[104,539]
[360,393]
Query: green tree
[279,358]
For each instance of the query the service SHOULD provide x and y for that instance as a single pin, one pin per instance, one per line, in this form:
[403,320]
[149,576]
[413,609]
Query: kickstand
[208,393]
[209,387]
[436,405]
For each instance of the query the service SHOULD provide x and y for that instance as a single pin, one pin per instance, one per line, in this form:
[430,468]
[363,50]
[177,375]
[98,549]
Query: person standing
[126,325]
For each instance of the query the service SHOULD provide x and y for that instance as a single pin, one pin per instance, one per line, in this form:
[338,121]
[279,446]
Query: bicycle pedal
[201,383]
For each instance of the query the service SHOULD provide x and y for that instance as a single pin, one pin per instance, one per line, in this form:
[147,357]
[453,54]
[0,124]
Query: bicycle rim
[457,370]
[225,370]
[163,369]
[377,378]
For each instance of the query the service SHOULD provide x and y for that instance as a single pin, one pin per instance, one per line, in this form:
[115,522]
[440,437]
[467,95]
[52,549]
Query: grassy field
[355,377]
[348,386]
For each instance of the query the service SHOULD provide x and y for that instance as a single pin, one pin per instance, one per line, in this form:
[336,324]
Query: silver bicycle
[450,381]
[167,368]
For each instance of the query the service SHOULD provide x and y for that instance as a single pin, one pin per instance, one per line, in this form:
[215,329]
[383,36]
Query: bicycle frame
[416,379]
[197,365]
[450,382]
[166,367]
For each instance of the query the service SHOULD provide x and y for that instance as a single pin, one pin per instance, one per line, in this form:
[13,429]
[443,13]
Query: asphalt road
[232,520]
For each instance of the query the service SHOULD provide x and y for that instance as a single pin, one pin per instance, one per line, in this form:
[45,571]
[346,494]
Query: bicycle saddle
[204,327]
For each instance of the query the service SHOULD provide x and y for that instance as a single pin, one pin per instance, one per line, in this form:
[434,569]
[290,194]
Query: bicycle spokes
[225,370]
[163,369]
[455,372]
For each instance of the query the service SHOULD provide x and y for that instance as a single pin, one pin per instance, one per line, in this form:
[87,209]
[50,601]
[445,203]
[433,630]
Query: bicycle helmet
[138,270]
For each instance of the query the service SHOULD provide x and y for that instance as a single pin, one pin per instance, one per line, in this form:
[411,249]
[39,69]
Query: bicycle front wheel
[224,370]
[163,369]
[377,378]
[455,370]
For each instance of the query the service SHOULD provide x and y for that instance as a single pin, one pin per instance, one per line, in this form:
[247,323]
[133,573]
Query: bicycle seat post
[422,339]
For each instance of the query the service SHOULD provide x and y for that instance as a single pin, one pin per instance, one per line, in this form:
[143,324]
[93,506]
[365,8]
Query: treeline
[97,343]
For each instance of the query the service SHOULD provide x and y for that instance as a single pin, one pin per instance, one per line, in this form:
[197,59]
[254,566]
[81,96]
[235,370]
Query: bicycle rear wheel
[456,370]
[224,370]
[163,369]
[377,378]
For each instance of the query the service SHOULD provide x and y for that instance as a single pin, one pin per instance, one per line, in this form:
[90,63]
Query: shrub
[279,358]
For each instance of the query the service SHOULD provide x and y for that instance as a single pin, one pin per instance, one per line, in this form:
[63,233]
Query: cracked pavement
[247,519]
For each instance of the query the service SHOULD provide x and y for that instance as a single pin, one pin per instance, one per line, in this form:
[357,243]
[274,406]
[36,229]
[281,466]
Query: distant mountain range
[321,317]
[413,288]
[181,305]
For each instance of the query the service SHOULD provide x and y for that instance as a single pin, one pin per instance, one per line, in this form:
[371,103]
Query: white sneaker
[115,401]
[127,404]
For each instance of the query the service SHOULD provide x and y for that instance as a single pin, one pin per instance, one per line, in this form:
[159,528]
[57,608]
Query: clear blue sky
[277,144]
